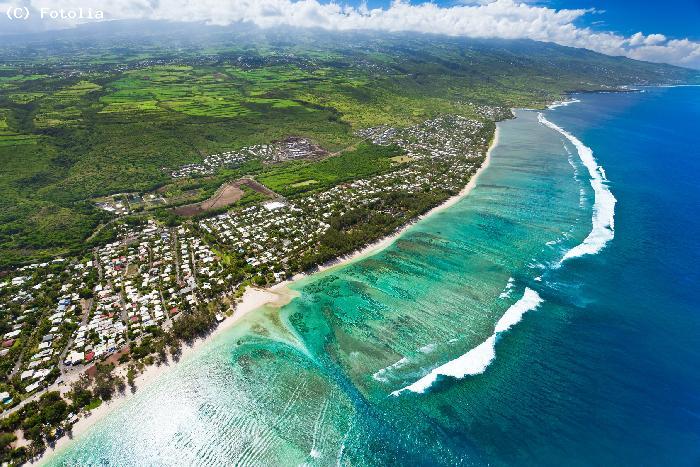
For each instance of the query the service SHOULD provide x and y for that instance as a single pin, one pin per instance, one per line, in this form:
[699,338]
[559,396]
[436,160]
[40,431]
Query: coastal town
[124,303]
[289,149]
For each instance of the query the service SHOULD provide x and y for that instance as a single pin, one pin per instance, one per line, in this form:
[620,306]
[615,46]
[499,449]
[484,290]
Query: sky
[673,18]
[667,32]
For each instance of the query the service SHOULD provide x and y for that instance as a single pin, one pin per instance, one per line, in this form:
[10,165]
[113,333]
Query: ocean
[548,318]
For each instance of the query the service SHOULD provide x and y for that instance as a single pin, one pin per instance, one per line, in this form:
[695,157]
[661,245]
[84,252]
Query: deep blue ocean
[631,382]
[549,318]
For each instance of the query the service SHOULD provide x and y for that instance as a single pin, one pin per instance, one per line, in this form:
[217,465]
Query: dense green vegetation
[86,116]
[366,224]
[367,159]
[40,422]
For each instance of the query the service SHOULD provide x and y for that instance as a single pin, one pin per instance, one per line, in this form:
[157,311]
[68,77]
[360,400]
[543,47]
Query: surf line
[480,357]
[603,221]
[562,103]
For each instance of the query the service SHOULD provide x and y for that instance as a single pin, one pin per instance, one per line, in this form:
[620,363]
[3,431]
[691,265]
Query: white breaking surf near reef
[603,220]
[480,357]
[381,374]
[554,105]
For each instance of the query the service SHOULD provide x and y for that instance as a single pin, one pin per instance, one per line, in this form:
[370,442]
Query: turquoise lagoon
[548,318]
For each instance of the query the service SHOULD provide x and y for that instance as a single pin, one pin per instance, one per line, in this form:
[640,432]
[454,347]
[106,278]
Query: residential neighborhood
[122,301]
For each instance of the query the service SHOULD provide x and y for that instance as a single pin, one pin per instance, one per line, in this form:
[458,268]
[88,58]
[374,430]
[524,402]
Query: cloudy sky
[641,29]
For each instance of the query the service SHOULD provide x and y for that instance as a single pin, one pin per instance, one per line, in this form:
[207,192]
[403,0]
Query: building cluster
[451,136]
[115,204]
[289,149]
[293,148]
[212,163]
[40,305]
[269,236]
[490,112]
[60,316]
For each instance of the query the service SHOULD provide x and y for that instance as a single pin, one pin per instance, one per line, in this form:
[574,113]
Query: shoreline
[253,299]
[384,242]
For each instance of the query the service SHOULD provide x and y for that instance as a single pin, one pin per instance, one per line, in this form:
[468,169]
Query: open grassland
[298,177]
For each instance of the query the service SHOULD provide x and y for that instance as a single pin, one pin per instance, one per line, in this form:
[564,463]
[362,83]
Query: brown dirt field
[226,195]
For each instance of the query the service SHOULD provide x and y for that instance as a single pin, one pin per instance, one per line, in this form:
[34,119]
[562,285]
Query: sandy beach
[253,299]
[383,243]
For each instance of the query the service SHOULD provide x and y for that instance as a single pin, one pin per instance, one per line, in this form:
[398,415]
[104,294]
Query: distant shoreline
[253,299]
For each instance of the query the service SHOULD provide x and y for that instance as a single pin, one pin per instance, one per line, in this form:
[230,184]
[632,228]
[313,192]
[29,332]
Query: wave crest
[603,220]
[478,359]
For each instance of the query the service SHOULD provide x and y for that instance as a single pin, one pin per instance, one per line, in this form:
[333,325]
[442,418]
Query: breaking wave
[508,289]
[478,359]
[381,374]
[603,206]
[554,105]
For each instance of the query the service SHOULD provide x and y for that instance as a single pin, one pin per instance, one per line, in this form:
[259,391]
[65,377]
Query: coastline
[384,242]
[253,299]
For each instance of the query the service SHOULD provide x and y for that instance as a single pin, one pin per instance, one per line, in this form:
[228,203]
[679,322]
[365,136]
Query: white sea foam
[602,173]
[381,374]
[508,288]
[676,86]
[478,359]
[562,103]
[603,206]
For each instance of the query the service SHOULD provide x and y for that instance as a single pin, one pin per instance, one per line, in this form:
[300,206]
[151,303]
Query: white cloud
[505,19]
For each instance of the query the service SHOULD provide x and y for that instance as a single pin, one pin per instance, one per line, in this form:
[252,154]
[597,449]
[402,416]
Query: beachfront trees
[106,382]
[80,394]
[192,325]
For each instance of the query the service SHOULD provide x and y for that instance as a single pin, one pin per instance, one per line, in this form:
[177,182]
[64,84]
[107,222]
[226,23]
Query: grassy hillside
[84,115]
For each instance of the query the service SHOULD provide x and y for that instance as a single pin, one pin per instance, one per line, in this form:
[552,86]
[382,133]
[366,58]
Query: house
[12,334]
[74,358]
[274,205]
[5,397]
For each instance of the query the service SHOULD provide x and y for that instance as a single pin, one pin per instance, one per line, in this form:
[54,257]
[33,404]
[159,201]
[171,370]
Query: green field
[367,159]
